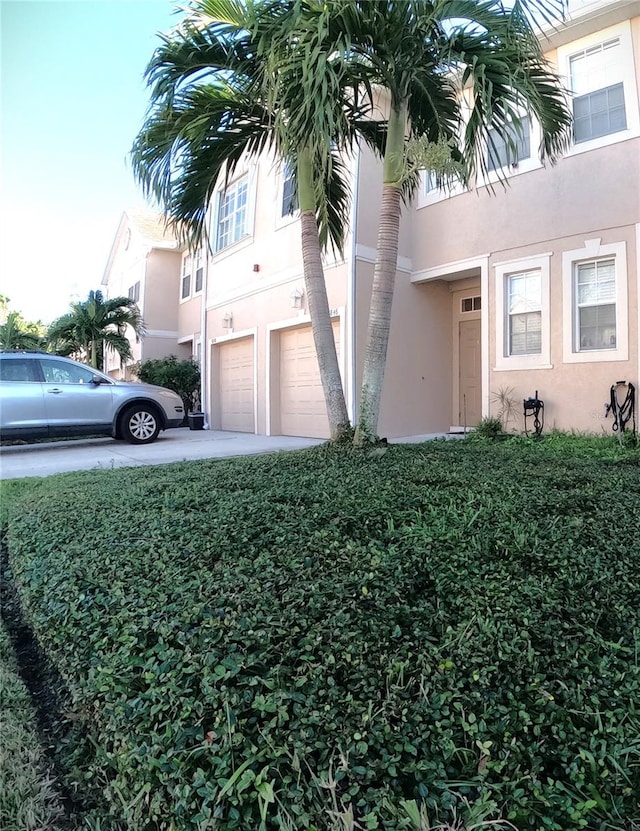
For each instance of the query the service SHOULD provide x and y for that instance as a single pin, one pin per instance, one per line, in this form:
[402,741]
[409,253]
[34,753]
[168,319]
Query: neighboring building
[144,264]
[532,288]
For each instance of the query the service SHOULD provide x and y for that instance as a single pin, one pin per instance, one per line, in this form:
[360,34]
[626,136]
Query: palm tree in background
[17,333]
[93,325]
[221,93]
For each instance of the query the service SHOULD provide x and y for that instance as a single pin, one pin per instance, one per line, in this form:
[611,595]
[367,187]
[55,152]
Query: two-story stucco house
[517,289]
[145,265]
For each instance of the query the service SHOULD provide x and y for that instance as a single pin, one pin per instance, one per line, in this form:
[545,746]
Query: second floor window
[185,287]
[134,292]
[199,271]
[598,91]
[232,214]
[289,195]
[505,151]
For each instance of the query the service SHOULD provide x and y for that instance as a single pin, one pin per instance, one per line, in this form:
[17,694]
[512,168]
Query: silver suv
[46,396]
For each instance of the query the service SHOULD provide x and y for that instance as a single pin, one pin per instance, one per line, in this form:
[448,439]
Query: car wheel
[139,424]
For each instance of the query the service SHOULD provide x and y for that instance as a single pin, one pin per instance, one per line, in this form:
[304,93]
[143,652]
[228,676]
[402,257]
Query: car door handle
[55,391]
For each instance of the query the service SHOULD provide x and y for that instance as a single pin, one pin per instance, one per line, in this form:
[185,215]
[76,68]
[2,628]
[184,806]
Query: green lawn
[319,638]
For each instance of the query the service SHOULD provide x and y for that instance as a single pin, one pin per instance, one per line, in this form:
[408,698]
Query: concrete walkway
[172,446]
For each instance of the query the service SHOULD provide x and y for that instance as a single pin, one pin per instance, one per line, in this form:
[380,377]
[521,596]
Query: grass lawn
[445,633]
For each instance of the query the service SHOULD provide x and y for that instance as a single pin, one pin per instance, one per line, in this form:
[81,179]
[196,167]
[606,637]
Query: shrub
[181,376]
[489,427]
[277,642]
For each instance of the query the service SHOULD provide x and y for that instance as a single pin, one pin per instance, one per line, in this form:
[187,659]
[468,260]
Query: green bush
[274,642]
[181,376]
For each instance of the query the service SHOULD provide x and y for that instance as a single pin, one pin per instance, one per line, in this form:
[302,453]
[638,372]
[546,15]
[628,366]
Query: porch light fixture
[227,320]
[296,297]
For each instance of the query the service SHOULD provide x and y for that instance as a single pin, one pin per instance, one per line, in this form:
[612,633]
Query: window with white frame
[523,313]
[185,285]
[192,274]
[199,268]
[598,91]
[232,214]
[134,292]
[289,195]
[600,72]
[595,303]
[513,147]
[595,299]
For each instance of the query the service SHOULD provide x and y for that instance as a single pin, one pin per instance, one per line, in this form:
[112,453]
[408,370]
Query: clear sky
[72,100]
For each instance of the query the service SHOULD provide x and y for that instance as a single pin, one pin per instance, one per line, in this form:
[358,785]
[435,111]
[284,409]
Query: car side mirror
[97,380]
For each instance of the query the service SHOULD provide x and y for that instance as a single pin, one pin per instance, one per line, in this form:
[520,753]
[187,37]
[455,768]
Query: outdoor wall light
[295,298]
[227,321]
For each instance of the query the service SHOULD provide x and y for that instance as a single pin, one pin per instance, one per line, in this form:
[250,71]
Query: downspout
[351,294]
[204,351]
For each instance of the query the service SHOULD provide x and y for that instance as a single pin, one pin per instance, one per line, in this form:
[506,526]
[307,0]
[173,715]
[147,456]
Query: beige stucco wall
[582,194]
[574,393]
[159,304]
[190,317]
[417,390]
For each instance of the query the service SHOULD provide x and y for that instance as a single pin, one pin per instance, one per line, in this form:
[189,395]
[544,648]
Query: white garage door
[303,411]
[236,386]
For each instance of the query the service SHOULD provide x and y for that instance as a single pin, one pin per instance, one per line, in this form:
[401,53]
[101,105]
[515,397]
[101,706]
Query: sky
[72,99]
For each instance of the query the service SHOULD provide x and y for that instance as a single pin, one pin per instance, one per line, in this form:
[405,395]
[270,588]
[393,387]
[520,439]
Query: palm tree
[17,333]
[221,92]
[94,324]
[455,71]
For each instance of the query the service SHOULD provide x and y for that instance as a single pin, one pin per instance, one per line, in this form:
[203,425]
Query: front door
[470,374]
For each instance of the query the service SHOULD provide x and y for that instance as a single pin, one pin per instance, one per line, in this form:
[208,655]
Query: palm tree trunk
[94,354]
[384,277]
[316,291]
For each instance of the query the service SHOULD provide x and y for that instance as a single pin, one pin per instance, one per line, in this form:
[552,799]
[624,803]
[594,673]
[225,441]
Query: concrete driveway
[179,445]
[172,446]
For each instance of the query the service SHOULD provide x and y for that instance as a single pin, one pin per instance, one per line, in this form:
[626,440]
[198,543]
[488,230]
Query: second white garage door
[237,385]
[303,411]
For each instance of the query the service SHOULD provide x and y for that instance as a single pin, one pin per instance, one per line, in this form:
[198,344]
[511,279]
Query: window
[471,304]
[185,289]
[232,214]
[60,372]
[523,318]
[595,80]
[595,303]
[595,293]
[134,292]
[600,72]
[17,369]
[192,274]
[199,271]
[289,195]
[511,148]
[430,182]
[524,313]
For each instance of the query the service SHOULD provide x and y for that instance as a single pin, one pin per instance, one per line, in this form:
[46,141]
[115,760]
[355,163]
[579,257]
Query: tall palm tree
[453,70]
[221,93]
[94,324]
[17,333]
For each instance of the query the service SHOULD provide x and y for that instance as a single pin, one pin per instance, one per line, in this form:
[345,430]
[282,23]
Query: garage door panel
[237,386]
[303,411]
